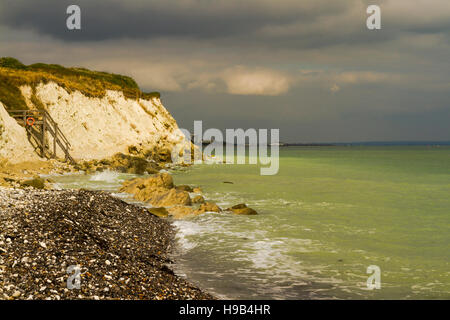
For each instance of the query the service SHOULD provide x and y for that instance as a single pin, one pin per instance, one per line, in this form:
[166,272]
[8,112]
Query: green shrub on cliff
[14,74]
[10,95]
[12,63]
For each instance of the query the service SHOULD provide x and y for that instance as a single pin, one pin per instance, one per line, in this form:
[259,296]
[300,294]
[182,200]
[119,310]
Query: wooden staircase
[38,124]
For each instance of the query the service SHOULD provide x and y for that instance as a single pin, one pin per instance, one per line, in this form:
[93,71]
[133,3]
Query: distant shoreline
[372,143]
[344,144]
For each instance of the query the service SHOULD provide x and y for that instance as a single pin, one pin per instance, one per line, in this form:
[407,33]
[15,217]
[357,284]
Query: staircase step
[48,126]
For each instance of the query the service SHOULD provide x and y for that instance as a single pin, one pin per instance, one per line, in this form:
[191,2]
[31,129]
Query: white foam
[105,176]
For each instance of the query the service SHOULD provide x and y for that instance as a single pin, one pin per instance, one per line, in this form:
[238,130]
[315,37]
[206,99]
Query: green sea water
[329,214]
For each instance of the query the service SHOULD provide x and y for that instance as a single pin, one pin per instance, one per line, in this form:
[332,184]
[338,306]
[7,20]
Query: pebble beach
[122,251]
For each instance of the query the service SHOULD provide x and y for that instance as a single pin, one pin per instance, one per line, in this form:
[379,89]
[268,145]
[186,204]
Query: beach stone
[159,212]
[37,183]
[242,209]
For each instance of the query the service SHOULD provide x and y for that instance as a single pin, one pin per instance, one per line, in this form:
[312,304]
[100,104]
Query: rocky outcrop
[163,180]
[158,190]
[164,197]
[181,212]
[122,163]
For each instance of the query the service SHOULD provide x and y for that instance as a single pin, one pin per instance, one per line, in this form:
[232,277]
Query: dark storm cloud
[107,19]
[289,24]
[281,24]
[252,21]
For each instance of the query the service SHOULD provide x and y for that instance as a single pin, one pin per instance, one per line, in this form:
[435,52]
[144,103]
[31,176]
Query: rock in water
[197,190]
[157,190]
[184,188]
[166,197]
[161,180]
[208,207]
[242,209]
[181,212]
[198,199]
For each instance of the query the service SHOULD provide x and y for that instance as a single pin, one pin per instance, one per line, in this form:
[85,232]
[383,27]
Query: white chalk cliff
[97,127]
[14,144]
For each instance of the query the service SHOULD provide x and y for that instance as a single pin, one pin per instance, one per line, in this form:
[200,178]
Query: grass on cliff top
[14,74]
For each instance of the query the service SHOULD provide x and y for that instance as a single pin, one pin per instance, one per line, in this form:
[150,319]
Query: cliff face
[14,144]
[100,127]
[100,114]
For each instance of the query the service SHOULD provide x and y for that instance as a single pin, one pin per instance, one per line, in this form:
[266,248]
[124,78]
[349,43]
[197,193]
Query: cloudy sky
[308,67]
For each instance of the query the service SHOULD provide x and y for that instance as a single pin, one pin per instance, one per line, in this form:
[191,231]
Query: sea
[336,222]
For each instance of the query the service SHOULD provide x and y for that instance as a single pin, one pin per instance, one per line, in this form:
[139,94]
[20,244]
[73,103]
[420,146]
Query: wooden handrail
[48,124]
